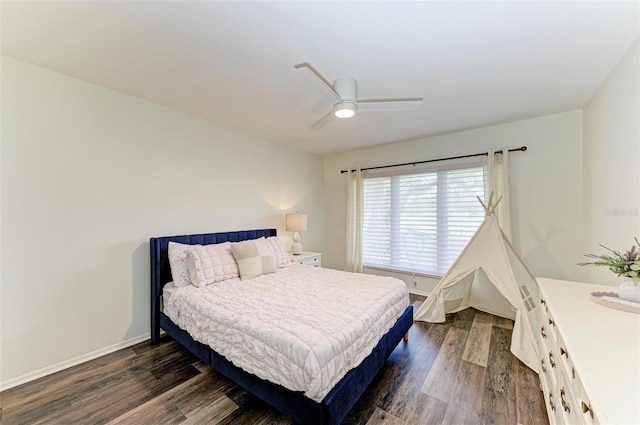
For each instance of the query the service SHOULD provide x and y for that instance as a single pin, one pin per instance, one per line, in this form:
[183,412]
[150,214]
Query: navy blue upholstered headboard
[161,271]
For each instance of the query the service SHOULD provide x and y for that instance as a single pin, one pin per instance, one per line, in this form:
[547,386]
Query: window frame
[441,256]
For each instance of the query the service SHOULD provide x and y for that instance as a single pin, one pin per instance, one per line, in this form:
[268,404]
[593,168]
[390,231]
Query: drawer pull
[551,404]
[565,405]
[563,352]
[573,372]
[552,323]
[542,301]
[544,369]
[542,332]
[586,408]
[551,362]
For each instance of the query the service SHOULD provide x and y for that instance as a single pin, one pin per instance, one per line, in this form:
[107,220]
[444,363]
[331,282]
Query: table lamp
[296,223]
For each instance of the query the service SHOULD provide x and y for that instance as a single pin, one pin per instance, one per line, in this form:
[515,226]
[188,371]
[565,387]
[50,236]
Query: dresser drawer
[547,321]
[567,408]
[566,362]
[585,409]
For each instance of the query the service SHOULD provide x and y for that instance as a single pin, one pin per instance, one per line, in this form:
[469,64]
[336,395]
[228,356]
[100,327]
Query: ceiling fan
[344,93]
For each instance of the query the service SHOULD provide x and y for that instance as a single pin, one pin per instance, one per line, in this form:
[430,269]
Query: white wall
[546,188]
[88,175]
[612,163]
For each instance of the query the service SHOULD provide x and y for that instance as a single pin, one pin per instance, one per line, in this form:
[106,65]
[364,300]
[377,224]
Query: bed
[332,408]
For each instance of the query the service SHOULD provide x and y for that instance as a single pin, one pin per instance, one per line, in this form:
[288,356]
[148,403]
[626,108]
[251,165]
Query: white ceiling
[474,63]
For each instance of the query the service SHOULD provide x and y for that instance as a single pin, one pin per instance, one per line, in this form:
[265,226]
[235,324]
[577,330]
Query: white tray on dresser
[590,356]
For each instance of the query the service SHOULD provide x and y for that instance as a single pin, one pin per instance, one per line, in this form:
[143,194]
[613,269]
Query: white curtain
[497,181]
[355,205]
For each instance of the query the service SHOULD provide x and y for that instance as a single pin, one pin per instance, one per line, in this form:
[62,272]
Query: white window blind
[421,222]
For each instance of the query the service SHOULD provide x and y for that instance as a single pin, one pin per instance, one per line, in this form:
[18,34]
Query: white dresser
[590,356]
[307,258]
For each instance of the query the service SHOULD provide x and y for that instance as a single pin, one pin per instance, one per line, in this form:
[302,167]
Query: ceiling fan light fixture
[345,109]
[344,93]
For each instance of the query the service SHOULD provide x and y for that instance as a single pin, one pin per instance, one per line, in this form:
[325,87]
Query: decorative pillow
[229,265]
[204,264]
[280,256]
[178,262]
[253,258]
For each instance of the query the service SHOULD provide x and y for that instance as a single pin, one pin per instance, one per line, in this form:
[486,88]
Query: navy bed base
[334,407]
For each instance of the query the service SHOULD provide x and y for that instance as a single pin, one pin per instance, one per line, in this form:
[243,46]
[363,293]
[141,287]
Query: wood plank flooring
[458,372]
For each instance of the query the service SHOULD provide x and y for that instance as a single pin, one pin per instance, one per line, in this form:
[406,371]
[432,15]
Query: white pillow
[279,254]
[178,262]
[204,264]
[253,258]
[229,265]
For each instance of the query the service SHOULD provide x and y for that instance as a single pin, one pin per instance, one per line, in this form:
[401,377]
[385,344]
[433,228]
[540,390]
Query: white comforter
[301,327]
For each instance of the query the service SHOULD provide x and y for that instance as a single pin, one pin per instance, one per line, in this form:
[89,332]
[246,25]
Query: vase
[630,291]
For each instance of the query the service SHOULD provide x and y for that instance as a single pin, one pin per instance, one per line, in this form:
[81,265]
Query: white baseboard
[419,292]
[32,376]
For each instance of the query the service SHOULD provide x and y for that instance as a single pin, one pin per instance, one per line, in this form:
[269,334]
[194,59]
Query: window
[421,222]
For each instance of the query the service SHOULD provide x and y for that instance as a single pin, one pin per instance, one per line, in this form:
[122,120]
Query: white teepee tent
[491,257]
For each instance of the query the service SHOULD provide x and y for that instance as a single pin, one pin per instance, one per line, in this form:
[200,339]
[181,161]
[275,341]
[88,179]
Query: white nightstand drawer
[311,261]
[307,258]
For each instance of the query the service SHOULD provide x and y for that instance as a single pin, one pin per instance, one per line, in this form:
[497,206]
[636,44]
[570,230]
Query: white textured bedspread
[302,327]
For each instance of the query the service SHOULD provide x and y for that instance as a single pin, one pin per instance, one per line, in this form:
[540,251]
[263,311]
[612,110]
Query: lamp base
[296,248]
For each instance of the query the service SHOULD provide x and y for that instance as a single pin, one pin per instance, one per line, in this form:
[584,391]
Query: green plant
[623,264]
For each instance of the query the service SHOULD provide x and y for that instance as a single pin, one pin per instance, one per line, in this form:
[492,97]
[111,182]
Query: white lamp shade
[296,222]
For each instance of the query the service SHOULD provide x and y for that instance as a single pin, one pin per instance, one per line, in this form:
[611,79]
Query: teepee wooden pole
[493,208]
[489,207]
[486,210]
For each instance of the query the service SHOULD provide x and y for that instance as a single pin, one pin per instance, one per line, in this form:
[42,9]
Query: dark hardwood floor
[458,372]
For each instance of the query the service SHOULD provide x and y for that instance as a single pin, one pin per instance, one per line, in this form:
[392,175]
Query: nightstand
[307,258]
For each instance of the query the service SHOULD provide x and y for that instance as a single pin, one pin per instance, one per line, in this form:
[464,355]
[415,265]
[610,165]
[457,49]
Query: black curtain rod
[522,149]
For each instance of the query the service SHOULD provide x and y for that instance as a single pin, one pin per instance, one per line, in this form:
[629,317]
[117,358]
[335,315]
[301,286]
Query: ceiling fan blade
[318,81]
[322,121]
[402,104]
